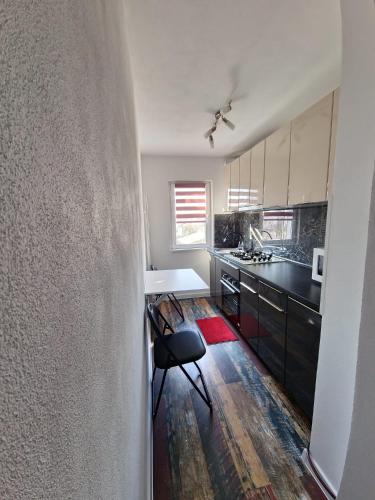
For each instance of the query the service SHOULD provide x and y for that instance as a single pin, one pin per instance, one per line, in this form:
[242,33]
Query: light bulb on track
[228,123]
[210,132]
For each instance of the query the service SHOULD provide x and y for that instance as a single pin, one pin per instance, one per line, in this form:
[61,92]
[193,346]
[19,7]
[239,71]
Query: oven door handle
[223,282]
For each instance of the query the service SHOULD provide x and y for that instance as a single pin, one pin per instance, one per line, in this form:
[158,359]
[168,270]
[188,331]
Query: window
[190,214]
[279,224]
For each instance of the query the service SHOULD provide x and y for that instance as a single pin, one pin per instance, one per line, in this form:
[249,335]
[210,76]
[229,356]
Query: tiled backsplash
[295,231]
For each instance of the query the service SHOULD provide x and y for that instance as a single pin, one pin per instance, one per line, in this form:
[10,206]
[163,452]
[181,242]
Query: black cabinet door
[218,297]
[302,351]
[272,326]
[230,269]
[249,309]
[213,276]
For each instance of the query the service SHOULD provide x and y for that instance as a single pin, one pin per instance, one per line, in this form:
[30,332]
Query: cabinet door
[227,186]
[218,299]
[309,154]
[230,269]
[272,325]
[249,310]
[302,351]
[244,193]
[234,184]
[276,168]
[257,174]
[332,149]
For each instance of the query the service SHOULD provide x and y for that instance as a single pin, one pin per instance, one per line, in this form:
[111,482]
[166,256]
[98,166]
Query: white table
[173,281]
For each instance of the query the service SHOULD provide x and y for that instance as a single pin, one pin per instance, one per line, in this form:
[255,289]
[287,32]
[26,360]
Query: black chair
[176,349]
[172,298]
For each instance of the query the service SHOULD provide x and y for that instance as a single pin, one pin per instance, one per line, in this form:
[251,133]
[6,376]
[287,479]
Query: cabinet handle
[272,288]
[248,288]
[271,303]
[304,305]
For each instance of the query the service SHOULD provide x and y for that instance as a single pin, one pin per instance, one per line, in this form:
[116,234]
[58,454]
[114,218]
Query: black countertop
[292,278]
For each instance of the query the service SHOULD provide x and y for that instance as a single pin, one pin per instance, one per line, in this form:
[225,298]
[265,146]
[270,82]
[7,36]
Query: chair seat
[186,345]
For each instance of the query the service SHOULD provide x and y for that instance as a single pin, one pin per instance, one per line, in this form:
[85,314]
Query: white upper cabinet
[244,192]
[234,184]
[226,185]
[309,155]
[257,174]
[276,168]
[294,165]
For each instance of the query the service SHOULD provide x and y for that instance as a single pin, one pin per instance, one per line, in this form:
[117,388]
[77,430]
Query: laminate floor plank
[248,448]
[249,467]
[224,477]
[284,471]
[275,415]
[300,422]
[189,473]
[224,363]
[162,460]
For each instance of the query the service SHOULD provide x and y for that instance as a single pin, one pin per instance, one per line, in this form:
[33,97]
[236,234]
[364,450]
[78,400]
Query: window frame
[174,247]
[278,241]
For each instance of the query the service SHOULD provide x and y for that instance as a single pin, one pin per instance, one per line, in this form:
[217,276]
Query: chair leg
[175,303]
[204,384]
[160,392]
[205,399]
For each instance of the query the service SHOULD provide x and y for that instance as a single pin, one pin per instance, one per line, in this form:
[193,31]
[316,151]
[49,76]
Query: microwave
[318,264]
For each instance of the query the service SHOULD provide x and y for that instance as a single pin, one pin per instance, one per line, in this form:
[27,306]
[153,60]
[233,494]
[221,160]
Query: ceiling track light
[219,115]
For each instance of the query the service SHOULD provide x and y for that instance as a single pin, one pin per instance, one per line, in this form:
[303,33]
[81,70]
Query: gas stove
[255,257]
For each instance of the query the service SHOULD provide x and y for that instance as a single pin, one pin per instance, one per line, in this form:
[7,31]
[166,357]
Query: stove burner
[255,256]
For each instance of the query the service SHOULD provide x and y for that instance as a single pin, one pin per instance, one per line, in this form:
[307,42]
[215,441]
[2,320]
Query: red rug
[215,330]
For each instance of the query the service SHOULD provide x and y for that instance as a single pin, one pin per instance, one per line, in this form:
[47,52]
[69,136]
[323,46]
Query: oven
[230,297]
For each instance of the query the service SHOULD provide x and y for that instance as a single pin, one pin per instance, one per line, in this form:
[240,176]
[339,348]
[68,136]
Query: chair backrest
[158,322]
[156,318]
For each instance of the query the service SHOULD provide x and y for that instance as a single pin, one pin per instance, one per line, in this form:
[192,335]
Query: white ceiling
[273,58]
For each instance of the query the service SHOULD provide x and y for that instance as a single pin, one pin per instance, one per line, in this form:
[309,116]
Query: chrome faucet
[269,234]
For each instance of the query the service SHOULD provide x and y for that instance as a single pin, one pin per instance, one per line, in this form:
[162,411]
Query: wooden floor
[249,448]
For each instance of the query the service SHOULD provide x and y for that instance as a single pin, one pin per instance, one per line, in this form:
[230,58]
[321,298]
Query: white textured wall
[358,476]
[72,353]
[346,258]
[157,172]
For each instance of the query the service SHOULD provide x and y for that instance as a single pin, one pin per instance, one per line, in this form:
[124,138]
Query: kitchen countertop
[291,278]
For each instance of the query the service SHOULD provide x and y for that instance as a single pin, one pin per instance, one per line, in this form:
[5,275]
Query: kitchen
[268,212]
[188,242]
[270,184]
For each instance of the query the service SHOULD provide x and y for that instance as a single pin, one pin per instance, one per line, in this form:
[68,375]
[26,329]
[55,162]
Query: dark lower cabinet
[215,276]
[272,327]
[283,332]
[213,291]
[302,351]
[249,309]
